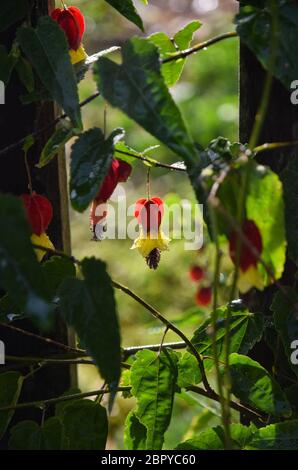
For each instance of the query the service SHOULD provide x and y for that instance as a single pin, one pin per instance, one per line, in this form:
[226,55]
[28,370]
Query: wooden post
[281,124]
[16,121]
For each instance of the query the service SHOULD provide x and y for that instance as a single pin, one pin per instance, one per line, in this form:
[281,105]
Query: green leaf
[11,12]
[127,9]
[56,270]
[7,64]
[10,389]
[246,330]
[47,50]
[254,386]
[268,214]
[85,426]
[217,157]
[290,190]
[188,370]
[213,439]
[135,433]
[279,436]
[27,435]
[89,306]
[25,73]
[137,87]
[254,26]
[55,144]
[59,408]
[286,322]
[181,41]
[91,158]
[292,395]
[21,276]
[123,147]
[153,380]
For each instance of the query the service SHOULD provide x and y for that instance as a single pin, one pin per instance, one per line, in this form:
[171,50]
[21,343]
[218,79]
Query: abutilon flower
[119,172]
[39,213]
[248,260]
[151,240]
[196,273]
[204,296]
[72,21]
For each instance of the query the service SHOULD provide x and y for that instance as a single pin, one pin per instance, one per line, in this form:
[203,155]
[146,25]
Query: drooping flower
[204,296]
[151,240]
[72,21]
[249,275]
[196,273]
[119,172]
[39,213]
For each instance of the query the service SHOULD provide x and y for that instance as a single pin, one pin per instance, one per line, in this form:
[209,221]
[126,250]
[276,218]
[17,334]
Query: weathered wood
[281,125]
[16,121]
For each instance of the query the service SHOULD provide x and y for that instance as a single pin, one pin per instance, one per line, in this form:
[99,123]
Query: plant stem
[225,416]
[236,406]
[169,326]
[54,401]
[76,396]
[274,145]
[151,161]
[200,46]
[39,132]
[30,187]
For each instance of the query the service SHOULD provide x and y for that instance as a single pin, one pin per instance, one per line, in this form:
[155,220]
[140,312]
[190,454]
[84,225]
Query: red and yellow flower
[119,172]
[151,240]
[249,254]
[72,21]
[39,213]
[204,296]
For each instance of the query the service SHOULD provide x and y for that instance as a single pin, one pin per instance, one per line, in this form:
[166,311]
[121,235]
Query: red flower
[39,212]
[149,213]
[72,22]
[196,273]
[204,296]
[119,173]
[247,257]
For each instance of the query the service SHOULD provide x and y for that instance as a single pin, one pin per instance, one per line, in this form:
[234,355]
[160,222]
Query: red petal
[196,273]
[109,183]
[39,212]
[124,171]
[247,257]
[204,296]
[79,17]
[149,213]
[138,207]
[72,22]
[56,13]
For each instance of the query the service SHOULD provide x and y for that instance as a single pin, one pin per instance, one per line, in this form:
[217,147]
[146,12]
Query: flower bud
[71,20]
[39,212]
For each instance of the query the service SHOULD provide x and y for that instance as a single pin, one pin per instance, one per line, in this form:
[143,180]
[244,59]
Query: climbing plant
[250,220]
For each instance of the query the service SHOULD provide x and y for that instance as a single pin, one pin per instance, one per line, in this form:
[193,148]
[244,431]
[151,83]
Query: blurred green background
[207,96]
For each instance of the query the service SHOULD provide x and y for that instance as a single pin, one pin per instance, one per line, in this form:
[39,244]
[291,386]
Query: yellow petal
[78,56]
[145,244]
[41,240]
[249,279]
